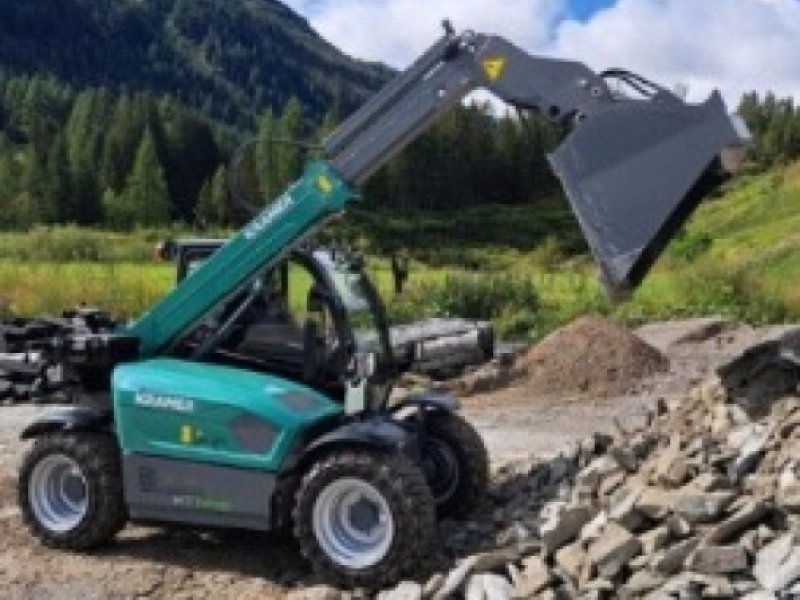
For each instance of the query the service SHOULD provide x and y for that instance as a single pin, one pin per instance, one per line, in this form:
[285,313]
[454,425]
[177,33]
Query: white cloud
[734,45]
[396,31]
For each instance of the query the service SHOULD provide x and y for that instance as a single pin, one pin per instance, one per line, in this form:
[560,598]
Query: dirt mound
[592,356]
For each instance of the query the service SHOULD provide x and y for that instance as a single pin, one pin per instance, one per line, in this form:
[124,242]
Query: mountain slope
[230,58]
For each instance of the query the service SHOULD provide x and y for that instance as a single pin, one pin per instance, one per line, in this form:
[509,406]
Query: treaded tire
[472,458]
[401,484]
[97,456]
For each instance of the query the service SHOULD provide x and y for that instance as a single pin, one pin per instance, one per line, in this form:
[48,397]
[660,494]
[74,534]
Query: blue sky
[732,45]
[583,10]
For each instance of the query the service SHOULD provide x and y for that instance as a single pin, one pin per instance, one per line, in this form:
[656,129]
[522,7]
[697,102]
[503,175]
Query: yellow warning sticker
[187,434]
[324,184]
[494,67]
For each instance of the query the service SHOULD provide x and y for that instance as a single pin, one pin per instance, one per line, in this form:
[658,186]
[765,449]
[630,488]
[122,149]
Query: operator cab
[314,318]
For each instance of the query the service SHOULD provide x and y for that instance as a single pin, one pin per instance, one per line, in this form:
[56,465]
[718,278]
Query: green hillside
[228,58]
[740,252]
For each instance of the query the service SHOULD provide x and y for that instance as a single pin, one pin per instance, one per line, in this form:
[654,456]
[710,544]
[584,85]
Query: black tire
[456,464]
[401,484]
[98,460]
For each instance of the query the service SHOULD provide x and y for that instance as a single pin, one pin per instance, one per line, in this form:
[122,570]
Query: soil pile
[592,355]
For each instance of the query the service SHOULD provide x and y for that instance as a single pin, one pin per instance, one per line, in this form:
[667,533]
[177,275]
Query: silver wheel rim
[353,524]
[58,493]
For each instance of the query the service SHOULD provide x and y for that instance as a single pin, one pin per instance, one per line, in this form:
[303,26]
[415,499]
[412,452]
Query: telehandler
[227,408]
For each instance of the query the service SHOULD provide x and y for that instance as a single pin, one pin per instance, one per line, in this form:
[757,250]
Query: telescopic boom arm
[633,168]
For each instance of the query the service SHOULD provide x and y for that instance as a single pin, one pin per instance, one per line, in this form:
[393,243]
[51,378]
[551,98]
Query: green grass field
[738,256]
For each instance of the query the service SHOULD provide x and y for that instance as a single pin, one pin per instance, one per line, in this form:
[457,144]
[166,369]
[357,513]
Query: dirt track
[154,563]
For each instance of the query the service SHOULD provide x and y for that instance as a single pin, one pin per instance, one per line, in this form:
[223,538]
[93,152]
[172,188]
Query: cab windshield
[354,290]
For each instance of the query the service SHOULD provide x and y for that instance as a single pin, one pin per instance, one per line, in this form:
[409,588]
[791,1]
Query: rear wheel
[70,490]
[364,518]
[455,463]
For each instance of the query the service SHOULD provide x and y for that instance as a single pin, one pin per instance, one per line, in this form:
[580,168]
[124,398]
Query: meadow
[524,268]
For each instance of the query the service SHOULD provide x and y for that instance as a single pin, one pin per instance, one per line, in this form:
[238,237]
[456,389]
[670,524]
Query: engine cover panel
[213,414]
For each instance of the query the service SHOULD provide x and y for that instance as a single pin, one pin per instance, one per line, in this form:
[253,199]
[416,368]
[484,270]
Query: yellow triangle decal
[494,68]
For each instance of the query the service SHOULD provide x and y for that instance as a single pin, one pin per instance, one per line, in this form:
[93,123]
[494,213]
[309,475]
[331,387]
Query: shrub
[471,296]
[689,246]
[735,293]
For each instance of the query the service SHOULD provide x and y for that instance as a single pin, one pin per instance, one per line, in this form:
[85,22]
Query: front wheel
[456,464]
[70,490]
[364,518]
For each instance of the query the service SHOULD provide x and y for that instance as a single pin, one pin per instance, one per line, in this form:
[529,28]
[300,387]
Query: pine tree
[204,209]
[265,156]
[83,133]
[212,204]
[290,157]
[146,194]
[219,196]
[116,211]
[58,183]
[39,207]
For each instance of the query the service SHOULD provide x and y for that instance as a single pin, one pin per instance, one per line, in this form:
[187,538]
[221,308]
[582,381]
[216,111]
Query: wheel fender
[76,418]
[381,433]
[429,401]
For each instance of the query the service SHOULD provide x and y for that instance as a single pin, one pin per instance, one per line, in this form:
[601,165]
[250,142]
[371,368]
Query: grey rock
[625,458]
[778,564]
[671,468]
[613,550]
[407,590]
[571,559]
[742,587]
[759,595]
[789,497]
[655,502]
[317,592]
[622,509]
[592,530]
[679,527]
[496,559]
[611,484]
[433,585]
[717,560]
[701,507]
[455,578]
[597,470]
[751,450]
[655,539]
[564,527]
[670,561]
[747,516]
[488,586]
[559,469]
[534,577]
[710,482]
[642,582]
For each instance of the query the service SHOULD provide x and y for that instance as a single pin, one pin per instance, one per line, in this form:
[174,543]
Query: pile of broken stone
[701,501]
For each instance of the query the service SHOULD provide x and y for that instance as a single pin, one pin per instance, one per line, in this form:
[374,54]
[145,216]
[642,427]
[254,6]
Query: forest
[229,59]
[123,160]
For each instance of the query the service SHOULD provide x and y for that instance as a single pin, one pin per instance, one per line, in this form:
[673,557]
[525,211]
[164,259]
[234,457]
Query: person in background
[400,270]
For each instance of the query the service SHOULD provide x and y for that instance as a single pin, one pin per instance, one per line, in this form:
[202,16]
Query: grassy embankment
[740,256]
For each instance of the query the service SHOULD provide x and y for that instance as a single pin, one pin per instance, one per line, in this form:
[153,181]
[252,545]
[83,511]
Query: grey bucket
[635,172]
